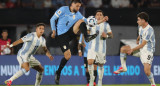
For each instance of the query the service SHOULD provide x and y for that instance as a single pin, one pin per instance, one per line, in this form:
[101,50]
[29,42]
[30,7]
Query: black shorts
[86,62]
[64,39]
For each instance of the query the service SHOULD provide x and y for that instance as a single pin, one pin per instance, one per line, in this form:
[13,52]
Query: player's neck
[4,38]
[38,35]
[145,25]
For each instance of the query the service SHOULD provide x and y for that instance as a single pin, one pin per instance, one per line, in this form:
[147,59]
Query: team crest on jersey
[59,12]
[64,47]
[74,16]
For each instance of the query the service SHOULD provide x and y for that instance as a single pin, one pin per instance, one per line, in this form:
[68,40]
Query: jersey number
[149,57]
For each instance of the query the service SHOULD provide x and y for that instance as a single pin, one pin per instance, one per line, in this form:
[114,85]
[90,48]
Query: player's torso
[67,20]
[3,43]
[150,46]
[29,48]
[98,44]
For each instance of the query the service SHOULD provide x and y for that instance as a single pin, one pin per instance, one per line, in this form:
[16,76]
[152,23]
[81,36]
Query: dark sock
[87,76]
[95,75]
[83,29]
[61,66]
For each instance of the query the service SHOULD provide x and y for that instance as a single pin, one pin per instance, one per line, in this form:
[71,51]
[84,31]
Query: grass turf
[85,85]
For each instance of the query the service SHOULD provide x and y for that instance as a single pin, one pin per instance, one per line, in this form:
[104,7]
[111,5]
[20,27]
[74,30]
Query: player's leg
[80,25]
[123,57]
[91,71]
[100,73]
[64,60]
[147,70]
[87,72]
[35,64]
[24,69]
[95,73]
[39,74]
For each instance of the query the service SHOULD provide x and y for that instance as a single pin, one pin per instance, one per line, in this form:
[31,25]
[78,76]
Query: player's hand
[137,42]
[104,35]
[105,19]
[130,52]
[53,34]
[51,57]
[80,54]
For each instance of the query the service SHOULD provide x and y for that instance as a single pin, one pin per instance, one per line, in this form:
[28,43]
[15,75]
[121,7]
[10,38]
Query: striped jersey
[97,44]
[86,48]
[147,34]
[31,44]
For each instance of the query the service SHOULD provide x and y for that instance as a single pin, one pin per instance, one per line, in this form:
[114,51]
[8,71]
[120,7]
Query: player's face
[40,30]
[140,21]
[99,16]
[5,34]
[76,6]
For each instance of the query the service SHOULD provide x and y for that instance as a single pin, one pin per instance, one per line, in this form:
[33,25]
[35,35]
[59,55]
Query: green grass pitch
[85,85]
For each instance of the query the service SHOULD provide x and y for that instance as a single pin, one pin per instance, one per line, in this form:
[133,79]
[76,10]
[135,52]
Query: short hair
[99,11]
[5,31]
[143,15]
[76,1]
[40,24]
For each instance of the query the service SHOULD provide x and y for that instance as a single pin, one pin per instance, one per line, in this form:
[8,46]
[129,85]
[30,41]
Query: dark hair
[4,31]
[99,11]
[40,24]
[76,1]
[143,15]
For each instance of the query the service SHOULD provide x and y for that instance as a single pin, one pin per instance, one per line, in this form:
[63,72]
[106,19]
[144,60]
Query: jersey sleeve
[28,37]
[44,43]
[80,39]
[83,18]
[56,15]
[148,35]
[108,27]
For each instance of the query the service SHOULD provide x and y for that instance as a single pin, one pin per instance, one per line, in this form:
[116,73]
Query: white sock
[91,73]
[18,74]
[123,60]
[151,79]
[38,78]
[100,73]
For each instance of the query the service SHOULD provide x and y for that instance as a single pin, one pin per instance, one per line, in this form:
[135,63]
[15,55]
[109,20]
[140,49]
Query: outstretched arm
[15,43]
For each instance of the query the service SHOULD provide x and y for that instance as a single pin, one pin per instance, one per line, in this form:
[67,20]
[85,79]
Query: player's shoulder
[64,7]
[43,39]
[32,34]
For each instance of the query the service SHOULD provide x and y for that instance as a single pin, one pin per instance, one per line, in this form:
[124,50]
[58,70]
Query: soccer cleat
[94,84]
[88,84]
[91,81]
[57,77]
[8,82]
[119,70]
[91,37]
[153,85]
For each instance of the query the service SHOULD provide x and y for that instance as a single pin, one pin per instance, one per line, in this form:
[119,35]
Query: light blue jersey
[86,48]
[148,35]
[66,19]
[97,44]
[31,45]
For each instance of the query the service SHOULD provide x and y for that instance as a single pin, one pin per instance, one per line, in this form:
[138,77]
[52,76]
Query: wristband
[79,51]
[11,45]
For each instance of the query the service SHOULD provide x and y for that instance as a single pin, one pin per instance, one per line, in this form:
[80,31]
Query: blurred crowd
[88,3]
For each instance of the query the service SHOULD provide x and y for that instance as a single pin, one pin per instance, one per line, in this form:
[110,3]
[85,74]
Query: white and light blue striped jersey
[66,19]
[85,51]
[31,44]
[147,34]
[97,44]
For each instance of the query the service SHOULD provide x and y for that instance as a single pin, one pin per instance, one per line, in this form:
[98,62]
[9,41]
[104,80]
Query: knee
[90,62]
[67,56]
[27,69]
[123,49]
[147,72]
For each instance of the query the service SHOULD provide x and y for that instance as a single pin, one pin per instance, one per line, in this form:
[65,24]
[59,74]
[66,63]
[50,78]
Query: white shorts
[130,42]
[145,56]
[32,61]
[99,58]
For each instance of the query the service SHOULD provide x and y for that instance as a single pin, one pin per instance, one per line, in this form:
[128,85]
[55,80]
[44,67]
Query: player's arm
[56,15]
[103,20]
[48,53]
[15,43]
[138,39]
[107,33]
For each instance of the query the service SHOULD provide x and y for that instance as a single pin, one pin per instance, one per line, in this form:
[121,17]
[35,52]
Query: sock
[38,78]
[95,75]
[100,72]
[123,60]
[90,69]
[18,74]
[151,79]
[61,66]
[83,29]
[87,76]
